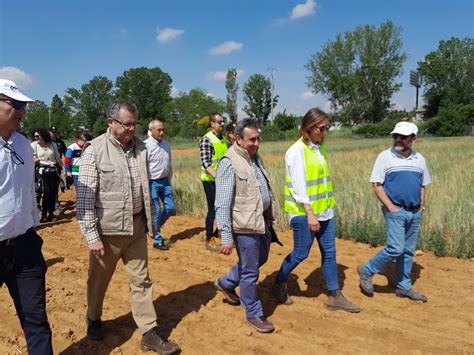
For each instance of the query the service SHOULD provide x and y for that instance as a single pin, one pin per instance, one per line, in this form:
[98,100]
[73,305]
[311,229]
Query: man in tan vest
[244,209]
[114,212]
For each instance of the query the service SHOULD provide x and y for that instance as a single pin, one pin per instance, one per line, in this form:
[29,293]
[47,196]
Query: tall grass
[447,223]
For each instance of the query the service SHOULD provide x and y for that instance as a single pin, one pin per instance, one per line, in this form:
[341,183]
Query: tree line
[357,71]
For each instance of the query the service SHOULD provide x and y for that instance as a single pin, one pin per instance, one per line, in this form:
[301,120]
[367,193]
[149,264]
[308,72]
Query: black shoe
[261,324]
[94,330]
[229,294]
[153,341]
[161,246]
[43,219]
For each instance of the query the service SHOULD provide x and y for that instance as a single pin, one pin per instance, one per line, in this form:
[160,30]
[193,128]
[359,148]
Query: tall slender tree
[258,98]
[232,88]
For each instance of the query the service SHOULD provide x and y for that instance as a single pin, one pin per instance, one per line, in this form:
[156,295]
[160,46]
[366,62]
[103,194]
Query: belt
[409,208]
[13,241]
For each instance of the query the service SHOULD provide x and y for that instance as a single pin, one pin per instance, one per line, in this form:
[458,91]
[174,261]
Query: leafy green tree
[36,117]
[183,111]
[148,88]
[357,71]
[448,74]
[61,117]
[258,98]
[89,104]
[232,88]
[286,122]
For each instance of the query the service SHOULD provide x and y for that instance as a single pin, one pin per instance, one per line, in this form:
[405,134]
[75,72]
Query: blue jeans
[402,234]
[23,269]
[75,180]
[253,250]
[303,240]
[161,190]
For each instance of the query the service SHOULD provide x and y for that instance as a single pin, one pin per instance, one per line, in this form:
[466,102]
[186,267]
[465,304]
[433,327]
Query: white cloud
[302,10]
[306,95]
[167,34]
[225,48]
[222,75]
[21,78]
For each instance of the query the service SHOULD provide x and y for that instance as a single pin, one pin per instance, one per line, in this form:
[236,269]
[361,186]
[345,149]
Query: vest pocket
[244,214]
[111,215]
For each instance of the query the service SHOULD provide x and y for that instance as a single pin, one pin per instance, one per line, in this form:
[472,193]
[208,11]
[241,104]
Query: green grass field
[447,223]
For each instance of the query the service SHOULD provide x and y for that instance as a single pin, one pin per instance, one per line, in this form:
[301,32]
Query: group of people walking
[124,194]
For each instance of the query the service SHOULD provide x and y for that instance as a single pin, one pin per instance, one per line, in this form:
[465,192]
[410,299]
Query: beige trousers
[133,252]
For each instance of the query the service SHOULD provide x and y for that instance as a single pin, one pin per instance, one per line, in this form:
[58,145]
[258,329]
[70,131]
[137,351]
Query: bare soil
[192,314]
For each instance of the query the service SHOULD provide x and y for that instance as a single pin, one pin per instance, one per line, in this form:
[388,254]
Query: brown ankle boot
[339,302]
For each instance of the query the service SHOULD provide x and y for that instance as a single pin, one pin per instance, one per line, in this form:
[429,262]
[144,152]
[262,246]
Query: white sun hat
[405,129]
[9,88]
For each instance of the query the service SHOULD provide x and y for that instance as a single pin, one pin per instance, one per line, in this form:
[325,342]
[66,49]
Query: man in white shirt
[22,266]
[159,164]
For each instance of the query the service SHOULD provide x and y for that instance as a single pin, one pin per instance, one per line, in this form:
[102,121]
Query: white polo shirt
[18,211]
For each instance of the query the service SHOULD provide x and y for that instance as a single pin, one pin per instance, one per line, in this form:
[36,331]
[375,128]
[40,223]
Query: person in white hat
[22,266]
[399,178]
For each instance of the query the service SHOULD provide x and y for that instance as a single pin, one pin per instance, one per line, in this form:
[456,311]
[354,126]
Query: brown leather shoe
[229,295]
[340,302]
[281,293]
[152,341]
[261,324]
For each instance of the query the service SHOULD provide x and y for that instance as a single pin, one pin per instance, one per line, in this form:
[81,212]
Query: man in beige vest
[244,209]
[114,212]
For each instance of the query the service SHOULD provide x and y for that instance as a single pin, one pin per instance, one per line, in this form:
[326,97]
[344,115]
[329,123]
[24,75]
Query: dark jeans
[210,190]
[253,250]
[50,192]
[23,269]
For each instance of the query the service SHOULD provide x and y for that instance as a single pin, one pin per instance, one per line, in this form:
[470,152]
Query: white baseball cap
[405,129]
[9,88]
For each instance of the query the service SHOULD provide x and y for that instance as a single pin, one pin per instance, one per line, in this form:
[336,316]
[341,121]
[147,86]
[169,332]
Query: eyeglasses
[126,125]
[324,128]
[17,159]
[399,136]
[17,105]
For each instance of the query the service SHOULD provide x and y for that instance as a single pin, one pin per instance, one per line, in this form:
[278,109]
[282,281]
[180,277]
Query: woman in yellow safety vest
[309,202]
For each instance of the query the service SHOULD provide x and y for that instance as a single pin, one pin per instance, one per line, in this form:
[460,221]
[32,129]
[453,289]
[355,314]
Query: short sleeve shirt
[402,177]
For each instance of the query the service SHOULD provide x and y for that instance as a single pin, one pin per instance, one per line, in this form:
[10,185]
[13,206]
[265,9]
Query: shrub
[382,128]
[452,120]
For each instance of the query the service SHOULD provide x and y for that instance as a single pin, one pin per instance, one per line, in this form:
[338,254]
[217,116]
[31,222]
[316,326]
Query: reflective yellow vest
[320,193]
[220,147]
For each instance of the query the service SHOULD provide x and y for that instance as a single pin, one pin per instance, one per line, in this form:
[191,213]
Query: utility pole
[272,88]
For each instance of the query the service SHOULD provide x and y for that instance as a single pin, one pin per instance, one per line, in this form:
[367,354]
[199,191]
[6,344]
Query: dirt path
[193,315]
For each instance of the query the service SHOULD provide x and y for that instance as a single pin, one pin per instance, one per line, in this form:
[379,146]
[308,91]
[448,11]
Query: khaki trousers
[133,252]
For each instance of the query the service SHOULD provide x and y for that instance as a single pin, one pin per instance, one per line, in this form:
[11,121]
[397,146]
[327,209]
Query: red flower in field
[446,232]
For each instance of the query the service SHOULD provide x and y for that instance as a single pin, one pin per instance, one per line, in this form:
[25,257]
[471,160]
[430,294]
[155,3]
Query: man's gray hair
[245,123]
[153,123]
[115,107]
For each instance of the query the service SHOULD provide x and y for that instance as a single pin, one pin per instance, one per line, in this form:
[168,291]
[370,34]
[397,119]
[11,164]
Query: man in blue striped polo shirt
[398,180]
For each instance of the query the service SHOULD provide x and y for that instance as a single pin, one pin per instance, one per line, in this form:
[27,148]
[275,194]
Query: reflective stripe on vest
[318,183]
[220,147]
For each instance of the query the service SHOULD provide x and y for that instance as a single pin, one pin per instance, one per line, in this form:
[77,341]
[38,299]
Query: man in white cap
[398,179]
[22,266]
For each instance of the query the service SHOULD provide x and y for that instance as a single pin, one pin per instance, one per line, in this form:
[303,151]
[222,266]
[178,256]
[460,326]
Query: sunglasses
[36,136]
[17,159]
[324,128]
[399,136]
[17,105]
[220,123]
